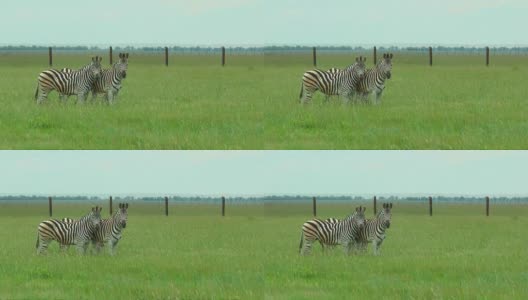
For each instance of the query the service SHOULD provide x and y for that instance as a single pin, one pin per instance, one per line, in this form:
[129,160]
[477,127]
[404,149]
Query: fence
[304,206]
[421,55]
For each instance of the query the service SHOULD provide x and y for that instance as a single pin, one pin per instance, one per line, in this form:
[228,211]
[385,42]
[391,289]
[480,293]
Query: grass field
[252,103]
[253,254]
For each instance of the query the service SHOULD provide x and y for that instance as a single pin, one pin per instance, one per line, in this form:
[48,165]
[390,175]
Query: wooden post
[487,206]
[487,56]
[166,206]
[375,60]
[166,56]
[314,53]
[111,205]
[50,57]
[111,58]
[375,211]
[314,203]
[223,206]
[50,206]
[223,56]
[430,56]
[431,206]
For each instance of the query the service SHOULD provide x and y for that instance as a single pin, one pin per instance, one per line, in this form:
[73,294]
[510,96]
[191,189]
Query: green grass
[252,103]
[253,254]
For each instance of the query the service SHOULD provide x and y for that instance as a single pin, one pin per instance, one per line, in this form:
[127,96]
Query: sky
[264,22]
[245,173]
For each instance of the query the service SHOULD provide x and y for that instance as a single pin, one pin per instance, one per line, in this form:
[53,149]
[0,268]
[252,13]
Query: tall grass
[252,103]
[458,253]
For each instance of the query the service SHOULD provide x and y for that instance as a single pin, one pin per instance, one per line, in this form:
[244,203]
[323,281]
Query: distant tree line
[267,199]
[265,49]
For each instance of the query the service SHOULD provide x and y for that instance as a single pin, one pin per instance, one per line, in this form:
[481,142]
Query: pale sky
[232,173]
[264,22]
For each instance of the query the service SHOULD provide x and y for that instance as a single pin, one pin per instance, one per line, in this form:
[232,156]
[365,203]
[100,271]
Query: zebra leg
[94,96]
[81,97]
[42,96]
[378,96]
[42,247]
[110,96]
[306,250]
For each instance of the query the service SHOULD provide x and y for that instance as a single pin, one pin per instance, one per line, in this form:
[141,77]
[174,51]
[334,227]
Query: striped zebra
[78,82]
[373,81]
[77,233]
[374,230]
[343,232]
[110,230]
[109,83]
[333,82]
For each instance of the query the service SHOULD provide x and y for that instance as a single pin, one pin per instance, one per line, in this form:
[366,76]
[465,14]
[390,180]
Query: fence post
[375,59]
[375,211]
[166,206]
[487,56]
[314,54]
[50,206]
[223,56]
[50,57]
[314,204]
[223,206]
[431,206]
[430,56]
[111,205]
[166,56]
[111,61]
[487,206]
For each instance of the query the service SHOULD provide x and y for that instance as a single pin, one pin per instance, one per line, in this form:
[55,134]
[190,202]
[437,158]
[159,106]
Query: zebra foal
[374,230]
[373,81]
[332,82]
[332,232]
[77,82]
[110,230]
[78,233]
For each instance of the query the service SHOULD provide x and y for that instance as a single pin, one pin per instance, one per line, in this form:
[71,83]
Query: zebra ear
[390,56]
[390,206]
[126,205]
[126,56]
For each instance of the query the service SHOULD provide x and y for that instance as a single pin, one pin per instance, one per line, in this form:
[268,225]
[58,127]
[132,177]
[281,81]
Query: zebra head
[359,217]
[122,215]
[95,66]
[358,68]
[122,66]
[385,215]
[95,216]
[385,65]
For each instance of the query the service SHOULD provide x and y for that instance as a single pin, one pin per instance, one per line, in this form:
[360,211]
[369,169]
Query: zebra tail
[302,89]
[37,241]
[302,238]
[36,91]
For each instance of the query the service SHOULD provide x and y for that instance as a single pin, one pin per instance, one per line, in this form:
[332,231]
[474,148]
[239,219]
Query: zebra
[109,83]
[78,82]
[374,230]
[77,233]
[373,81]
[333,82]
[110,230]
[327,233]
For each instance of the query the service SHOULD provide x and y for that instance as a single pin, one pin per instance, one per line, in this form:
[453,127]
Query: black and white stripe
[333,82]
[110,230]
[373,81]
[374,230]
[343,232]
[109,83]
[78,82]
[77,233]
